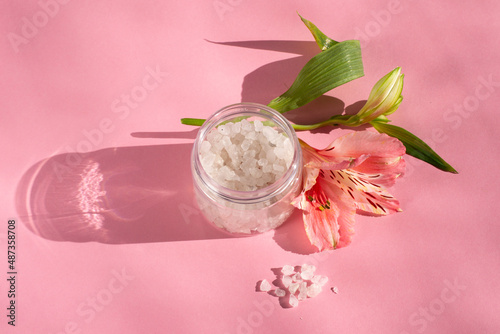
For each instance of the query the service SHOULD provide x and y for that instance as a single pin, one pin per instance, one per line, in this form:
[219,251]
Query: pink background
[141,259]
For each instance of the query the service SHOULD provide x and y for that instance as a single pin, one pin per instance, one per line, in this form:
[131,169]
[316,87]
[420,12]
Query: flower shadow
[115,195]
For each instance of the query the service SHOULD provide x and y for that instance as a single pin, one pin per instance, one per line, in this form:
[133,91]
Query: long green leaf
[415,146]
[335,66]
[193,121]
[323,41]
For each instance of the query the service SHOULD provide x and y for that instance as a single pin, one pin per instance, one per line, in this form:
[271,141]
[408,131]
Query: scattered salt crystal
[293,301]
[280,292]
[288,270]
[322,280]
[286,280]
[293,288]
[297,277]
[307,267]
[265,286]
[296,287]
[306,275]
[313,290]
[302,291]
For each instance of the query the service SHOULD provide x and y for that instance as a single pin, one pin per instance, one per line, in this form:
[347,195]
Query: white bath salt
[280,292]
[308,267]
[302,291]
[313,290]
[286,280]
[288,270]
[293,288]
[293,301]
[306,275]
[265,286]
[297,277]
[320,280]
[245,155]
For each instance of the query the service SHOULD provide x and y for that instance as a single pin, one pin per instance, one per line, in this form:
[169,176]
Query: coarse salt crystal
[313,290]
[308,267]
[258,126]
[297,277]
[280,292]
[293,301]
[288,270]
[306,275]
[320,280]
[286,280]
[302,291]
[265,286]
[293,288]
[240,155]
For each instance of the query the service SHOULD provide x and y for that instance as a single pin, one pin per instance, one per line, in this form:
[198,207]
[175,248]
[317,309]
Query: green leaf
[323,41]
[335,66]
[414,146]
[193,121]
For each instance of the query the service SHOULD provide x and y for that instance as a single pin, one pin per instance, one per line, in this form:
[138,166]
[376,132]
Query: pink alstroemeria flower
[348,176]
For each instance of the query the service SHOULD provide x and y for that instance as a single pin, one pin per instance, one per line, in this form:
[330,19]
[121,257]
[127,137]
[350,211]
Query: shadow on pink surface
[273,79]
[114,195]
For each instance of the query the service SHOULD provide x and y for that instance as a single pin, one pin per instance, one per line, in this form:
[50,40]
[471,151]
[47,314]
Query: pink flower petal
[328,221]
[383,171]
[360,143]
[314,158]
[349,175]
[362,190]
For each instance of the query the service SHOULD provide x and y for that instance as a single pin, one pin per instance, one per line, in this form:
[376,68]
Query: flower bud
[384,98]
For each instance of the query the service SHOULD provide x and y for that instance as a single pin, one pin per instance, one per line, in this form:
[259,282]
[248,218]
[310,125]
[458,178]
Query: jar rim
[264,193]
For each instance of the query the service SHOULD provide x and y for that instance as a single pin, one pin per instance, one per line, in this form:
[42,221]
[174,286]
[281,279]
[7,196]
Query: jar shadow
[115,195]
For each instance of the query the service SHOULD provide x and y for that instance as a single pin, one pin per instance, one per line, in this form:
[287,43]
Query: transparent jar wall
[248,218]
[252,211]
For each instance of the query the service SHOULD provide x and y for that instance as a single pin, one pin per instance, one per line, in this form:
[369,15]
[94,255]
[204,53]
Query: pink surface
[113,78]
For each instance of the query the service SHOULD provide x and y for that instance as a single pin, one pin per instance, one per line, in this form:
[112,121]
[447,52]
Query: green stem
[334,121]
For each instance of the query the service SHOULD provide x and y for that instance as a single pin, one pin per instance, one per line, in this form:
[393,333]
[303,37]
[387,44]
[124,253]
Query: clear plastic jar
[247,211]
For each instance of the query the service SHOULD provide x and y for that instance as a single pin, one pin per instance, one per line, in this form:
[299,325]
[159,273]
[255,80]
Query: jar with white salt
[247,168]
